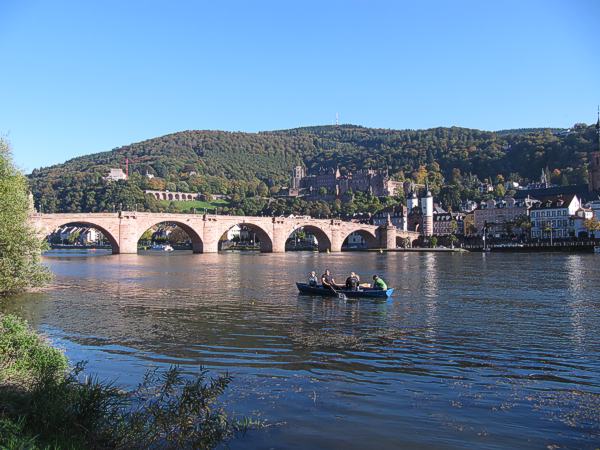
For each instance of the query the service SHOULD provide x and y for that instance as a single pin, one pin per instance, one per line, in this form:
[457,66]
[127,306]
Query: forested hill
[256,165]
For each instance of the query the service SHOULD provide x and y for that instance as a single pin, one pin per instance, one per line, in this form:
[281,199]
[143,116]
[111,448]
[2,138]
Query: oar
[340,295]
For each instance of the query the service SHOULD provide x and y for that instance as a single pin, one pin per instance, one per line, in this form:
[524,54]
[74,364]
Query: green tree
[20,245]
[499,190]
[592,225]
[433,241]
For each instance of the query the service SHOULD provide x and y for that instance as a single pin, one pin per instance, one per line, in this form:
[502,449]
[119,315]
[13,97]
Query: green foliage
[42,405]
[592,225]
[197,205]
[24,355]
[20,247]
[433,241]
[253,166]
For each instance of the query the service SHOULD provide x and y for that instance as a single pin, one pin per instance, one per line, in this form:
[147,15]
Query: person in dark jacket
[352,282]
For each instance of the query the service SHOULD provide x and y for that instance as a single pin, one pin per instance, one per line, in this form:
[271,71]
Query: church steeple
[598,128]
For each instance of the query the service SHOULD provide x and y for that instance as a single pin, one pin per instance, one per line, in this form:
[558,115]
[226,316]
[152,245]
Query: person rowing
[328,282]
[379,284]
[352,282]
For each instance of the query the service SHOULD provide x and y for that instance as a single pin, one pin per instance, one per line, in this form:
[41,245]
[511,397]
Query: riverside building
[553,218]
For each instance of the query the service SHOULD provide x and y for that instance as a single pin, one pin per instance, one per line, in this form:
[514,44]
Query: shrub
[43,405]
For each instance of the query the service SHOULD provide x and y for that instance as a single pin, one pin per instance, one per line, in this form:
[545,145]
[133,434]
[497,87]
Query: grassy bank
[198,205]
[45,404]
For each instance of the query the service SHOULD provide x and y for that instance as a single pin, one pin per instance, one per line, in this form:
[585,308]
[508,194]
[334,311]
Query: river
[496,351]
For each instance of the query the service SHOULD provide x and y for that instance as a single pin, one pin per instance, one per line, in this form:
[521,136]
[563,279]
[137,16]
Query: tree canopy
[20,247]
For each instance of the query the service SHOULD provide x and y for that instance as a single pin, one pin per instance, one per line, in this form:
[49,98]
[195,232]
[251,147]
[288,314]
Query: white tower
[427,210]
[412,202]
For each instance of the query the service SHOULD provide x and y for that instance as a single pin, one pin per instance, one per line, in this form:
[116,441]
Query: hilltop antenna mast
[337,119]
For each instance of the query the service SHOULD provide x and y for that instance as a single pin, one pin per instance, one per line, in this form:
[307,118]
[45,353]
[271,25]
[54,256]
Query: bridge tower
[427,210]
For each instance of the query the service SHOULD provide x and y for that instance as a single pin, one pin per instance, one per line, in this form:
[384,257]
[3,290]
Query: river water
[497,351]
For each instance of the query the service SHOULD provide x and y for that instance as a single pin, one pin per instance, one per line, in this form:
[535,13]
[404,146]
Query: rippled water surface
[498,351]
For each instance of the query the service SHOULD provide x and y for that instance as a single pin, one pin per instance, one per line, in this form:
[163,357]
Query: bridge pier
[387,237]
[336,239]
[211,246]
[197,247]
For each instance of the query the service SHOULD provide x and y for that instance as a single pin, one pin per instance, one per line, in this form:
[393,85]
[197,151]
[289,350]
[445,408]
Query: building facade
[397,215]
[116,175]
[447,223]
[330,182]
[497,216]
[552,218]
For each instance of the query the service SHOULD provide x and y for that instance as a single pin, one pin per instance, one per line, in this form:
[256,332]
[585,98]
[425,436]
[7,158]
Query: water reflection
[464,355]
[576,297]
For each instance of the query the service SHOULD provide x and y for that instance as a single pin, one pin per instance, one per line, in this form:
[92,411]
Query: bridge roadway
[124,229]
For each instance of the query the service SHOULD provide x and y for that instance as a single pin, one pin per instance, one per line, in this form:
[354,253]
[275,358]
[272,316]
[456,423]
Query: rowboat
[305,288]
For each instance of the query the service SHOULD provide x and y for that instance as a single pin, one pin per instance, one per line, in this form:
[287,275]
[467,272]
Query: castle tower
[427,210]
[298,173]
[412,201]
[594,167]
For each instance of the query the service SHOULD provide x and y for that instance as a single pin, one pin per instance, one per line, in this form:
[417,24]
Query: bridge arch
[110,237]
[323,239]
[262,236]
[371,240]
[197,243]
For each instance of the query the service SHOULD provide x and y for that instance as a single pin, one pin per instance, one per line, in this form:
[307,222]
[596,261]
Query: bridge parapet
[123,229]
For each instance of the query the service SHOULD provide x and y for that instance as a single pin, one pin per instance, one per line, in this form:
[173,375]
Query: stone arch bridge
[124,229]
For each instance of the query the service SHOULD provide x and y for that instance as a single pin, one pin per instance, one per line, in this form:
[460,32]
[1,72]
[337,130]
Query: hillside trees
[258,164]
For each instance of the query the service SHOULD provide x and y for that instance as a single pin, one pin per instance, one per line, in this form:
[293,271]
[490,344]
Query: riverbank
[416,250]
[45,404]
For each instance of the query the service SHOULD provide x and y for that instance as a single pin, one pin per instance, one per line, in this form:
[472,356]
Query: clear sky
[78,77]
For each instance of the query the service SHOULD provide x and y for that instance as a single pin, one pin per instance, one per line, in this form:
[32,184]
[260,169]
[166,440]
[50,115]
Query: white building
[397,215]
[116,175]
[552,218]
[355,240]
[240,233]
[508,185]
[66,232]
[468,205]
[233,233]
[577,222]
[89,236]
[595,207]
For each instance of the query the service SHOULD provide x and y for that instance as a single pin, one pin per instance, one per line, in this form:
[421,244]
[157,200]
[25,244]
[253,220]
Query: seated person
[379,284]
[313,281]
[352,281]
[327,280]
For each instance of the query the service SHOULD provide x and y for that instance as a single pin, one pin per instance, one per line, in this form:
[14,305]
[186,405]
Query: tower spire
[598,128]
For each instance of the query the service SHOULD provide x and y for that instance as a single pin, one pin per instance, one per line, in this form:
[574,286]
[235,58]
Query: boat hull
[304,288]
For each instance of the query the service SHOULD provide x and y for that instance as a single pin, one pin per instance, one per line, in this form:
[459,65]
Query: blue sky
[79,77]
